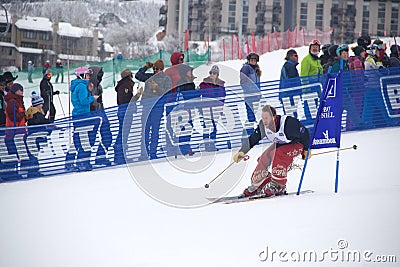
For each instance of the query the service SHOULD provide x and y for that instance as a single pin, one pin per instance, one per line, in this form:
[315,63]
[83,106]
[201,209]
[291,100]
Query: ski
[237,199]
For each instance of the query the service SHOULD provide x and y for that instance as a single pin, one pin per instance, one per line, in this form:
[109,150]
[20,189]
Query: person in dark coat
[96,79]
[185,91]
[250,75]
[97,109]
[289,70]
[9,78]
[212,88]
[157,84]
[394,56]
[59,71]
[47,92]
[2,102]
[35,116]
[289,73]
[325,54]
[126,107]
[46,66]
[35,113]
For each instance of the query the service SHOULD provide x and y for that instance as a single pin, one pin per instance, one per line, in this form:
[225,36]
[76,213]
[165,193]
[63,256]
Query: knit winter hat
[15,87]
[358,50]
[126,73]
[36,99]
[214,69]
[159,64]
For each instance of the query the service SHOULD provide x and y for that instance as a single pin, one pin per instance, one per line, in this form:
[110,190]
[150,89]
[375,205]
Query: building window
[44,36]
[365,19]
[319,15]
[303,14]
[29,34]
[29,45]
[276,15]
[394,22]
[381,19]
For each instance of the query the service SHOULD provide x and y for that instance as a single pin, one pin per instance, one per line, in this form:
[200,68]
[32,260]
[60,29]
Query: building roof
[28,50]
[79,58]
[66,29]
[108,48]
[34,23]
[4,44]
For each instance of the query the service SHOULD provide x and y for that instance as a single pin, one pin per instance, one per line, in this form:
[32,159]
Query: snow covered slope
[102,218]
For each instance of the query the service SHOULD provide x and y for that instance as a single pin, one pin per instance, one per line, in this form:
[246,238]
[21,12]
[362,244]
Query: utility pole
[240,23]
[342,12]
[183,20]
[209,21]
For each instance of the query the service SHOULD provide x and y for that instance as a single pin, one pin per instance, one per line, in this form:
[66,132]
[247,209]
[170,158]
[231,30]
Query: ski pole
[62,108]
[246,157]
[345,148]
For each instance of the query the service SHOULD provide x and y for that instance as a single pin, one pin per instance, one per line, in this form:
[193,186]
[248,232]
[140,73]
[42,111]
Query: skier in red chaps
[290,139]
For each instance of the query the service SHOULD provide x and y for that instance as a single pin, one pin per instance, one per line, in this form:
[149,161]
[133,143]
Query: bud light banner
[328,124]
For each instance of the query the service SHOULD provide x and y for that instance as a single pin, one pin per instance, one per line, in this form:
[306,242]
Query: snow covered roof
[79,58]
[66,29]
[35,23]
[34,50]
[27,49]
[108,48]
[4,44]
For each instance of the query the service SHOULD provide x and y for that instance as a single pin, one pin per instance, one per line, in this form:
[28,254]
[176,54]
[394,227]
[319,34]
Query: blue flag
[327,128]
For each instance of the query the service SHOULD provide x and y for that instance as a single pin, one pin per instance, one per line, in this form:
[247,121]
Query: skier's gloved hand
[304,155]
[57,92]
[238,156]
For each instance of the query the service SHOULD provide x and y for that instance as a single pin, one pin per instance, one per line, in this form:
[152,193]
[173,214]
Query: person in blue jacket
[81,97]
[250,74]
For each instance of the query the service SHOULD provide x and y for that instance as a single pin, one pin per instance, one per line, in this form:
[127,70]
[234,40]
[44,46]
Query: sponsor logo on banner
[325,140]
[390,89]
[327,128]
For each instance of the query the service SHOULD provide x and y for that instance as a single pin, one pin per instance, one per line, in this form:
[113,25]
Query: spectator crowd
[162,88]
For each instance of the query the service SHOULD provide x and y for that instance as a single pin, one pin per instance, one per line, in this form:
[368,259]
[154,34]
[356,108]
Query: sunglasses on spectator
[212,72]
[48,75]
[155,68]
[295,55]
[181,59]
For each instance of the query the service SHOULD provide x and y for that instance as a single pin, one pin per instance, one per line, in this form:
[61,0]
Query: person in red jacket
[173,72]
[290,139]
[15,117]
[15,110]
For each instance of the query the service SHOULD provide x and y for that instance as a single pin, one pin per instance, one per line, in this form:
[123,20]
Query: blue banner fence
[188,124]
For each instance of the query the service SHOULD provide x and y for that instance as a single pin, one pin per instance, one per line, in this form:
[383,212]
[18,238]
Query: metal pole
[240,24]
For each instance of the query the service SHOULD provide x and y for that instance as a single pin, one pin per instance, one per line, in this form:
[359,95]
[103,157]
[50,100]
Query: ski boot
[274,189]
[254,190]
